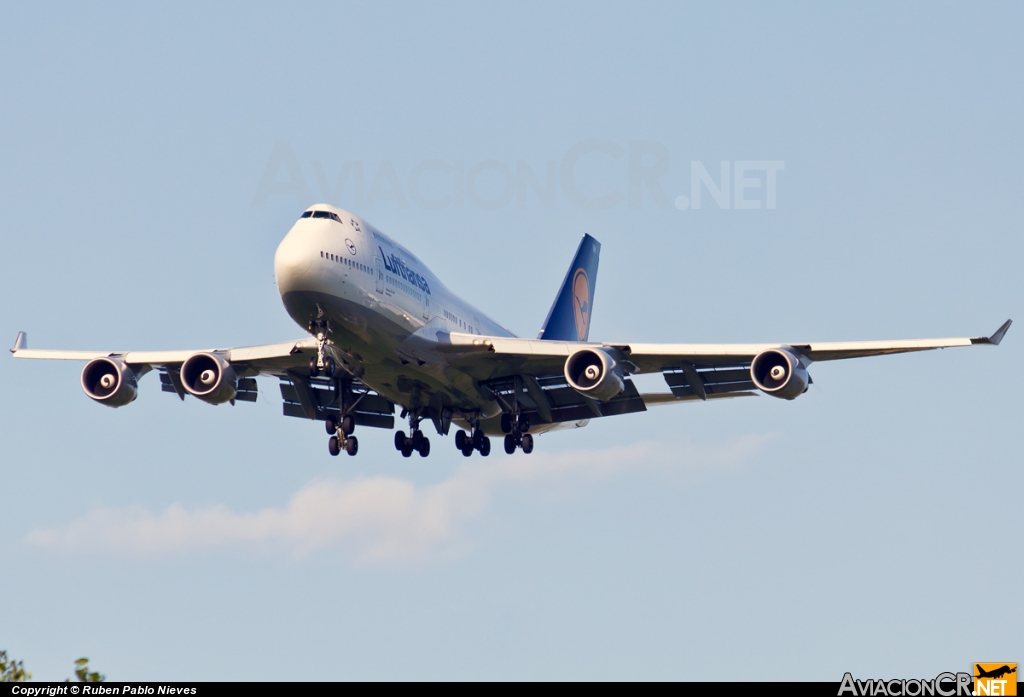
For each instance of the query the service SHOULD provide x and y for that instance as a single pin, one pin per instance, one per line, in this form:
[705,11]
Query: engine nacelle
[779,373]
[209,377]
[594,373]
[109,381]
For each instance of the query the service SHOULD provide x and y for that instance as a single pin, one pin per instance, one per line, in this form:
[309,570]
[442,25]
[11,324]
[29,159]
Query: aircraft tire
[333,446]
[329,367]
[351,445]
[460,439]
[313,370]
[331,425]
[467,449]
[506,423]
[510,444]
[399,440]
[348,425]
[407,450]
[485,446]
[424,448]
[527,443]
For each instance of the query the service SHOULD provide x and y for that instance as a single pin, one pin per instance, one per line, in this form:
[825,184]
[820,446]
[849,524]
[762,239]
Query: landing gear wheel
[334,446]
[329,367]
[527,443]
[506,423]
[313,369]
[524,423]
[424,448]
[510,444]
[399,440]
[460,440]
[485,447]
[351,445]
[417,440]
[407,450]
[467,449]
[331,425]
[478,438]
[348,424]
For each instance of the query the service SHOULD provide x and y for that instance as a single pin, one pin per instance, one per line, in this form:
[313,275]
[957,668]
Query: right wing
[305,397]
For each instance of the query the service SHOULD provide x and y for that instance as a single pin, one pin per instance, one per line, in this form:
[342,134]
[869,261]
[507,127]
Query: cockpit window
[307,214]
[326,214]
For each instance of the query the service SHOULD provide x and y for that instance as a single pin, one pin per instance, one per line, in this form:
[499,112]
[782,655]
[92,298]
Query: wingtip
[20,343]
[995,338]
[1001,332]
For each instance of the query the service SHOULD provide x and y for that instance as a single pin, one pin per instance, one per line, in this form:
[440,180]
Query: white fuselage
[380,299]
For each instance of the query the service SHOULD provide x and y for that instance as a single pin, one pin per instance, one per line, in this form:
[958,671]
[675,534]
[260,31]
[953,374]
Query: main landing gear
[516,427]
[343,438]
[416,442]
[468,443]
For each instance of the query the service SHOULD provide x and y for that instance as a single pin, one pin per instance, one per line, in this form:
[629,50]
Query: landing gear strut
[475,440]
[516,428]
[343,438]
[416,441]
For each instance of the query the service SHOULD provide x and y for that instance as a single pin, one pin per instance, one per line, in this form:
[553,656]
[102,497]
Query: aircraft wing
[536,357]
[268,359]
[303,396]
[532,370]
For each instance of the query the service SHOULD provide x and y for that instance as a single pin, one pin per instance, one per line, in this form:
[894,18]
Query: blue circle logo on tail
[581,303]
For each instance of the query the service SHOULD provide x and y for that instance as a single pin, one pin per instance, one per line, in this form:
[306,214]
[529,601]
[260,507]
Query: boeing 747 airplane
[386,333]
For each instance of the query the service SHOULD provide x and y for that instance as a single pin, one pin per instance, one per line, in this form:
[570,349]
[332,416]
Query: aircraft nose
[291,264]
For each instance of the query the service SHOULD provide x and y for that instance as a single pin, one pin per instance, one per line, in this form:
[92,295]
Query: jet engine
[109,381]
[594,373]
[209,377]
[779,373]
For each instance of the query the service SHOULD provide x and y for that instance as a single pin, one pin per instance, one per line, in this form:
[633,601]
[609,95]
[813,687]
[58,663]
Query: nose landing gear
[321,362]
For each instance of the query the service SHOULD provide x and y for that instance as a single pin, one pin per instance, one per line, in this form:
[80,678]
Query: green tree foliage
[12,671]
[83,674]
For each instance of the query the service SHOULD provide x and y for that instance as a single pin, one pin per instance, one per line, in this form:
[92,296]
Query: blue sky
[871,525]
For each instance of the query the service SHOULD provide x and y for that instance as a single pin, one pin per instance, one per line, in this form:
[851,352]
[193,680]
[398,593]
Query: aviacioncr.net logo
[943,685]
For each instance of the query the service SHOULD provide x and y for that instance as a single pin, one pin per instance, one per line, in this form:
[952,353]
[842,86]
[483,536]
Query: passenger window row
[458,320]
[352,263]
[404,288]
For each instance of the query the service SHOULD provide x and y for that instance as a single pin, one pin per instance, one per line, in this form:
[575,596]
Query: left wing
[534,372]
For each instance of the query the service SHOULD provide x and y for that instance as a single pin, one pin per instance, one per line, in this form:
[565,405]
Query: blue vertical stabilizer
[569,318]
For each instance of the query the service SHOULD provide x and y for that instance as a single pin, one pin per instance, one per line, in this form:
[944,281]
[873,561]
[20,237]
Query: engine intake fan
[109,381]
[209,377]
[779,373]
[594,373]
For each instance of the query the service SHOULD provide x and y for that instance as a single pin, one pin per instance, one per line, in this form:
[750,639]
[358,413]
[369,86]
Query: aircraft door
[380,274]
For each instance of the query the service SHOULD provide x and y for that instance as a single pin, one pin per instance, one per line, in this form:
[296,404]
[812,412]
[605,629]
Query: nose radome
[291,262]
